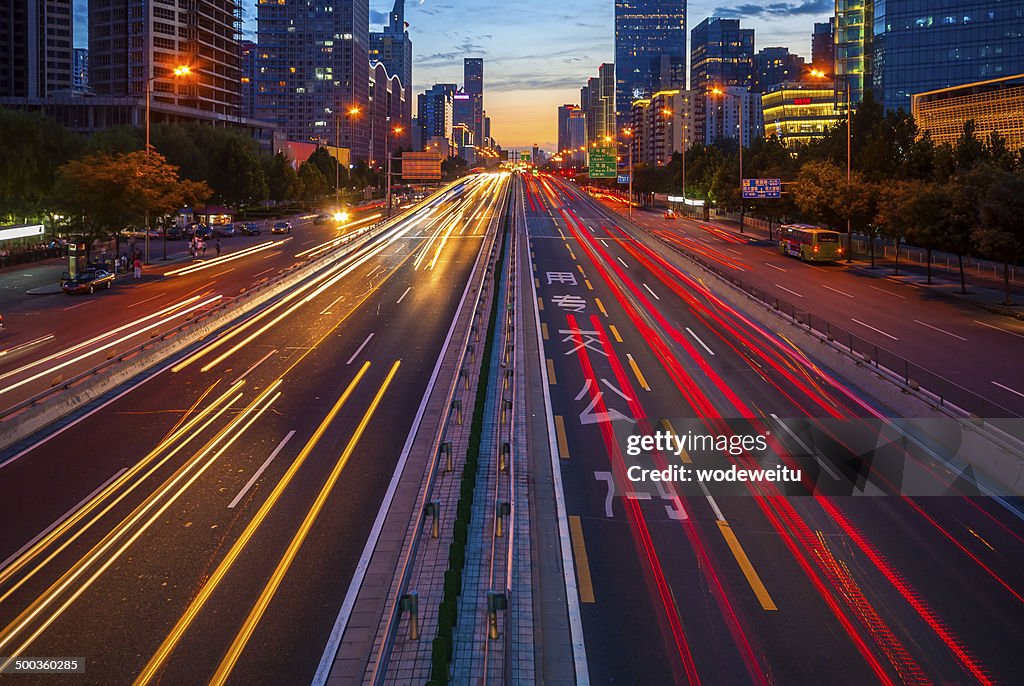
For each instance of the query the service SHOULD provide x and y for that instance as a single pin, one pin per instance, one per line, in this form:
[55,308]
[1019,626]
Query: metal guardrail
[391,628]
[54,390]
[943,391]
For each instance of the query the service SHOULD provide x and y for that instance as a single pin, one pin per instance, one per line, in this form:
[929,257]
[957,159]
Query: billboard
[421,166]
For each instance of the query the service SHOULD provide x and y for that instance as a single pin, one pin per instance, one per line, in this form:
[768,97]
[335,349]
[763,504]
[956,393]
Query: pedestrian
[218,247]
[138,267]
[202,247]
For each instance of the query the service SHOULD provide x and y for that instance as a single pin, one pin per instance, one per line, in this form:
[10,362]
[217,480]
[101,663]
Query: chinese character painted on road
[562,277]
[587,339]
[588,416]
[570,302]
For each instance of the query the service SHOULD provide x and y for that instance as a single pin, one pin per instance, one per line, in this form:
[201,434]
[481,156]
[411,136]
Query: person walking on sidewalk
[138,267]
[218,247]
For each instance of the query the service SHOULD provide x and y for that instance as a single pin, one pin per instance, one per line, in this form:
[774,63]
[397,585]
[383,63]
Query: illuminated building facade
[797,112]
[663,124]
[994,105]
[645,30]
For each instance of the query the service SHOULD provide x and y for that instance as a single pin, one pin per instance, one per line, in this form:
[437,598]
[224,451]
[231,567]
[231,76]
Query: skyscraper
[644,31]
[435,112]
[125,52]
[313,67]
[852,48]
[597,99]
[80,70]
[721,54]
[723,117]
[773,66]
[35,47]
[473,84]
[393,48]
[823,53]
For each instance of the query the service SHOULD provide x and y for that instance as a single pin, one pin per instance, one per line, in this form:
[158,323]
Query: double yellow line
[159,658]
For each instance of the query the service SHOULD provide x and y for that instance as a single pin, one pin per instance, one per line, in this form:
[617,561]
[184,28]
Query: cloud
[378,17]
[775,9]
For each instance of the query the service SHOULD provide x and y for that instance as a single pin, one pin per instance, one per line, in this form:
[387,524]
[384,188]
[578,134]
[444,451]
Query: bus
[810,243]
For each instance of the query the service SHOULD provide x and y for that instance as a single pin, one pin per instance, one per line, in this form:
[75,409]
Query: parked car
[225,230]
[281,227]
[86,281]
[251,229]
[175,233]
[203,232]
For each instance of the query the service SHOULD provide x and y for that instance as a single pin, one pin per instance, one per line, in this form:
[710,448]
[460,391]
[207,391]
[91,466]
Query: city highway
[934,332]
[792,583]
[51,338]
[203,526]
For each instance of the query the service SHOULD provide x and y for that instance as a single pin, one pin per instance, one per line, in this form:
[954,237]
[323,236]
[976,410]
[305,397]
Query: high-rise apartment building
[597,100]
[36,40]
[393,48]
[80,70]
[313,69]
[133,41]
[721,54]
[473,84]
[663,125]
[572,132]
[823,52]
[723,118]
[645,30]
[773,66]
[248,50]
[386,112]
[852,49]
[435,112]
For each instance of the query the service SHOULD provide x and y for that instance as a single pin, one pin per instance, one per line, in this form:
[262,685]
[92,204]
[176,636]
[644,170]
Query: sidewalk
[943,285]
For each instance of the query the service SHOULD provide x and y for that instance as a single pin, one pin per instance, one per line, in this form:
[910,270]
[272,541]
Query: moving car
[282,227]
[250,229]
[203,233]
[670,214]
[321,218]
[86,281]
[225,230]
[175,233]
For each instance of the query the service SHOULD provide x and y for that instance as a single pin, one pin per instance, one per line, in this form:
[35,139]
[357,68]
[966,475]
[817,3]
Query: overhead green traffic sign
[602,163]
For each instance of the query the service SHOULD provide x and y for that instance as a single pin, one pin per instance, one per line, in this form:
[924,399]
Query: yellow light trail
[231,658]
[68,579]
[171,641]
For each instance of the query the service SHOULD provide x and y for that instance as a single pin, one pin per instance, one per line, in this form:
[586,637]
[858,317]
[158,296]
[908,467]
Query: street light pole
[849,165]
[387,154]
[337,161]
[182,70]
[739,104]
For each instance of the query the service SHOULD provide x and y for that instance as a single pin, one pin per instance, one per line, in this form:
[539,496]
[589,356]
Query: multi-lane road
[205,524]
[699,582]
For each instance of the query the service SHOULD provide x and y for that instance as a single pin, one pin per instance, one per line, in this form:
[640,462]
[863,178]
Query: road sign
[762,188]
[602,163]
[524,157]
[623,179]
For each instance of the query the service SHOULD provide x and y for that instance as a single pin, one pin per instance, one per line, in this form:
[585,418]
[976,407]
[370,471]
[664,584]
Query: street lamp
[352,111]
[387,154]
[739,103]
[819,74]
[628,133]
[682,127]
[179,71]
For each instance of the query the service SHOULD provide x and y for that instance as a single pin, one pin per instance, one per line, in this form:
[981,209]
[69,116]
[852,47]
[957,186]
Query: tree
[238,174]
[816,193]
[964,192]
[282,181]
[452,168]
[908,209]
[1000,231]
[117,139]
[108,192]
[33,148]
[329,167]
[312,182]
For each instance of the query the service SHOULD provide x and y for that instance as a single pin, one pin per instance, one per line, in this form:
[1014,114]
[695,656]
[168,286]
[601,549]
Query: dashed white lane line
[263,467]
[999,328]
[836,290]
[702,343]
[359,350]
[868,326]
[160,295]
[622,263]
[249,370]
[651,292]
[399,302]
[882,290]
[787,290]
[1007,388]
[769,264]
[327,310]
[78,305]
[935,328]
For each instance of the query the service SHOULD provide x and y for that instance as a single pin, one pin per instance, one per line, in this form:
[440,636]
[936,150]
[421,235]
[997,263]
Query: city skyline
[521,52]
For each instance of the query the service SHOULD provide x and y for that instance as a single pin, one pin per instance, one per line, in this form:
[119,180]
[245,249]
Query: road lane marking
[769,264]
[226,271]
[948,333]
[536,282]
[882,290]
[684,456]
[589,286]
[86,302]
[540,303]
[262,272]
[999,328]
[621,262]
[1007,388]
[227,664]
[788,291]
[600,306]
[579,548]
[824,465]
[359,350]
[615,332]
[563,444]
[551,372]
[603,242]
[580,267]
[748,569]
[857,321]
[544,330]
[258,472]
[735,252]
[651,292]
[327,310]
[249,370]
[399,301]
[159,295]
[169,643]
[836,290]
[639,374]
[702,343]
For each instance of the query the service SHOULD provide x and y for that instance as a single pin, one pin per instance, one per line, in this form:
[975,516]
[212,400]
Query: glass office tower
[644,31]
